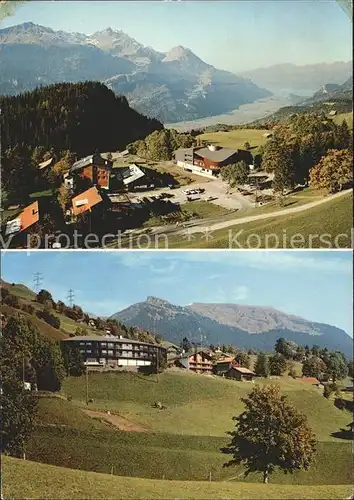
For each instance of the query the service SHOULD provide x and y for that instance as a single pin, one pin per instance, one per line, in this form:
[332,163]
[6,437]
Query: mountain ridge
[173,86]
[199,320]
[295,78]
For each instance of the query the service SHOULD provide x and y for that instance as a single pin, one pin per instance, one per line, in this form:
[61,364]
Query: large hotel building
[116,352]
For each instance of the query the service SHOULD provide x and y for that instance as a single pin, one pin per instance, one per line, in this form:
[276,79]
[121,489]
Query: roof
[45,164]
[85,201]
[131,174]
[310,380]
[106,338]
[225,360]
[198,351]
[90,160]
[243,370]
[218,155]
[83,162]
[167,344]
[28,217]
[119,198]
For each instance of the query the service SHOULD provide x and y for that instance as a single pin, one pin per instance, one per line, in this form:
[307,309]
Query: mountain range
[330,97]
[333,91]
[241,325]
[303,80]
[173,86]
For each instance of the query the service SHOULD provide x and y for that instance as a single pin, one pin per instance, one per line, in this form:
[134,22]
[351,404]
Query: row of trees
[298,146]
[161,143]
[316,361]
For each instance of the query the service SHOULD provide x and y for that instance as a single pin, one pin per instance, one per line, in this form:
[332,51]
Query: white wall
[196,170]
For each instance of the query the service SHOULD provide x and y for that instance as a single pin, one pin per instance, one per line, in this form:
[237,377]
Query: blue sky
[316,285]
[232,35]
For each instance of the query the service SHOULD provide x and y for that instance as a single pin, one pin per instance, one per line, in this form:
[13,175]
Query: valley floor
[244,114]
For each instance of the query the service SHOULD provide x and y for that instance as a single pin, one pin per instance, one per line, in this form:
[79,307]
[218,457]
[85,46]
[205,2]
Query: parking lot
[215,191]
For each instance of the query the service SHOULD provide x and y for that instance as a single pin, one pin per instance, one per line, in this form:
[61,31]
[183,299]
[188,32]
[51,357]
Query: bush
[43,296]
[49,318]
[12,301]
[329,389]
[28,308]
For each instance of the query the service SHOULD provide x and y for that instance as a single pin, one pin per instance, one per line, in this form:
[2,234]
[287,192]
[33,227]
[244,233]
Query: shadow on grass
[343,434]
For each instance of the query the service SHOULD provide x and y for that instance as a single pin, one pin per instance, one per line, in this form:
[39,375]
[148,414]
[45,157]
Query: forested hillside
[79,117]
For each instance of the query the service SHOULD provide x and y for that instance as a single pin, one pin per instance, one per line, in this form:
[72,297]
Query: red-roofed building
[26,219]
[85,201]
[29,216]
[309,380]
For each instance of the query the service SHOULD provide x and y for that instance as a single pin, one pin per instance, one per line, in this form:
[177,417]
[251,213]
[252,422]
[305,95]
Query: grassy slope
[53,482]
[25,295]
[204,209]
[348,117]
[201,405]
[47,330]
[184,441]
[236,138]
[333,218]
[57,411]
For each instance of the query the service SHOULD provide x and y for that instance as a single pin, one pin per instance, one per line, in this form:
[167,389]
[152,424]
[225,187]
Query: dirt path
[214,225]
[122,423]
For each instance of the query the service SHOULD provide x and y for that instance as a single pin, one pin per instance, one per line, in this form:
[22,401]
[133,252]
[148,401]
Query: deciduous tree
[271,434]
[235,174]
[277,364]
[333,171]
[337,368]
[313,367]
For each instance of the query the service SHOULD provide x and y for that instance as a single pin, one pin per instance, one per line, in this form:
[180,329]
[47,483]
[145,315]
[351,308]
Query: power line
[71,296]
[37,281]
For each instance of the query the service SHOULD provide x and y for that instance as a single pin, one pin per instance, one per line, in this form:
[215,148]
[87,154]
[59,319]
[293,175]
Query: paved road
[215,224]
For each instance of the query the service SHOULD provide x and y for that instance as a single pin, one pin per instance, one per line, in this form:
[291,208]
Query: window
[110,345]
[104,351]
[110,353]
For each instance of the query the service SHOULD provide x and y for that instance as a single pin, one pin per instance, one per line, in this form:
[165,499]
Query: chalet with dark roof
[210,159]
[94,168]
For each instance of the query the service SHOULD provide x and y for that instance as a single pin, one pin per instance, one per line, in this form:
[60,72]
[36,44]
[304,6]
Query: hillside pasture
[331,220]
[201,404]
[236,139]
[348,117]
[28,296]
[48,481]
